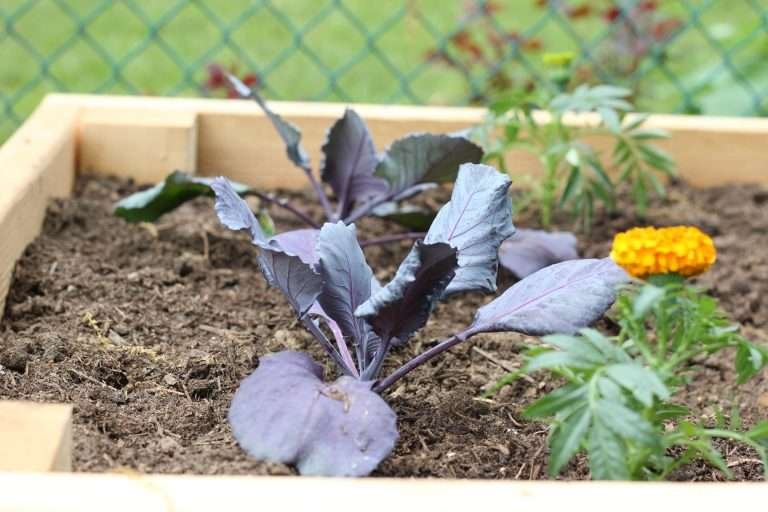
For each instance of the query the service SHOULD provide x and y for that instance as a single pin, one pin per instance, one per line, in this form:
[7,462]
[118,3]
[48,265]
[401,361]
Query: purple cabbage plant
[286,412]
[363,182]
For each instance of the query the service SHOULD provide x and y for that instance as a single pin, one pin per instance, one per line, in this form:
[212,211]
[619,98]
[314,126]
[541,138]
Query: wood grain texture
[35,437]
[139,144]
[136,492]
[235,139]
[36,163]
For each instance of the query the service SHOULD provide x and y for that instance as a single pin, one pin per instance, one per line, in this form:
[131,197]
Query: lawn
[356,50]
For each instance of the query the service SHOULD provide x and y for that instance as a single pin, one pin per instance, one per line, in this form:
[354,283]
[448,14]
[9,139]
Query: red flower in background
[217,79]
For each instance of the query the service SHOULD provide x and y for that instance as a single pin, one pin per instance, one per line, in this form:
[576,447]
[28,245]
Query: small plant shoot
[363,182]
[575,178]
[287,412]
[617,404]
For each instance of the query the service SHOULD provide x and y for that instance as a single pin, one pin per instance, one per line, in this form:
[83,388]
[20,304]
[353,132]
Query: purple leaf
[283,269]
[347,282]
[350,160]
[284,412]
[475,222]
[529,250]
[425,158]
[290,134]
[561,298]
[300,242]
[234,212]
[403,306]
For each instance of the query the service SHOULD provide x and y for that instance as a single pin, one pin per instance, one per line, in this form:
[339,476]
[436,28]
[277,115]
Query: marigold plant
[649,251]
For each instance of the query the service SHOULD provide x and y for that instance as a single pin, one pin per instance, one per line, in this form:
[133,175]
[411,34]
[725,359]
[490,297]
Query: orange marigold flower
[683,250]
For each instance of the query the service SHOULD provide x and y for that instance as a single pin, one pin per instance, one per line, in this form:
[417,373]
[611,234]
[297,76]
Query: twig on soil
[739,462]
[502,364]
[91,379]
[494,359]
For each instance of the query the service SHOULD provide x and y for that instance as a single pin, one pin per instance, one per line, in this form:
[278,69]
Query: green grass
[311,50]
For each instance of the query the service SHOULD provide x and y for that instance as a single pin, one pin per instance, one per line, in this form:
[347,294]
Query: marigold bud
[644,252]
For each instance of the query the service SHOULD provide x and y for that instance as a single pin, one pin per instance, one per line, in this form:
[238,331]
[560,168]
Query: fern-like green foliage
[617,404]
[576,176]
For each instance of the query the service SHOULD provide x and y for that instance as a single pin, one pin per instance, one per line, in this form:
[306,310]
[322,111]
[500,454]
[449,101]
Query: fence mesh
[705,56]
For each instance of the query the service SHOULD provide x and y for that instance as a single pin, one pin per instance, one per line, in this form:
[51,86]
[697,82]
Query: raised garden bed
[202,360]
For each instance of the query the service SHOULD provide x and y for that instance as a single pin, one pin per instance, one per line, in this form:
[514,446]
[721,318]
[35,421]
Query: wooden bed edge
[235,139]
[35,437]
[37,163]
[136,492]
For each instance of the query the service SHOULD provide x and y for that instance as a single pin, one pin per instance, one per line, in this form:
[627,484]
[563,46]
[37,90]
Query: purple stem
[363,209]
[329,348]
[392,238]
[320,193]
[422,358]
[283,203]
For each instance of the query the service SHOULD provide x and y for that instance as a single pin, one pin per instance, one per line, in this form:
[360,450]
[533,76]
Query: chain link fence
[693,56]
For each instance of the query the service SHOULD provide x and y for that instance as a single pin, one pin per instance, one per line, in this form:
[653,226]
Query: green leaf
[625,422]
[646,299]
[567,437]
[607,453]
[600,173]
[643,383]
[649,134]
[656,157]
[610,118]
[667,411]
[266,223]
[558,359]
[549,405]
[572,186]
[635,121]
[178,188]
[575,345]
[749,361]
[759,432]
[611,352]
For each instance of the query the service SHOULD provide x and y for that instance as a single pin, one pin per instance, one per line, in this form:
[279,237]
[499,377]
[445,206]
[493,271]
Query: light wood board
[35,437]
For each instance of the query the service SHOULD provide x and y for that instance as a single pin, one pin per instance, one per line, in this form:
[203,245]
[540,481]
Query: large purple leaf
[282,268]
[300,242]
[561,298]
[350,160]
[284,412]
[529,250]
[475,222]
[290,134]
[425,158]
[403,306]
[346,281]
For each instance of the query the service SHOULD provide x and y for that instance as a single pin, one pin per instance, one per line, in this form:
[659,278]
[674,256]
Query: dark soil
[148,329]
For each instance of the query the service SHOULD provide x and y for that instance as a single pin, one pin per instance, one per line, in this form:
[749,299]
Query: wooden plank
[135,492]
[36,163]
[236,140]
[137,144]
[35,437]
